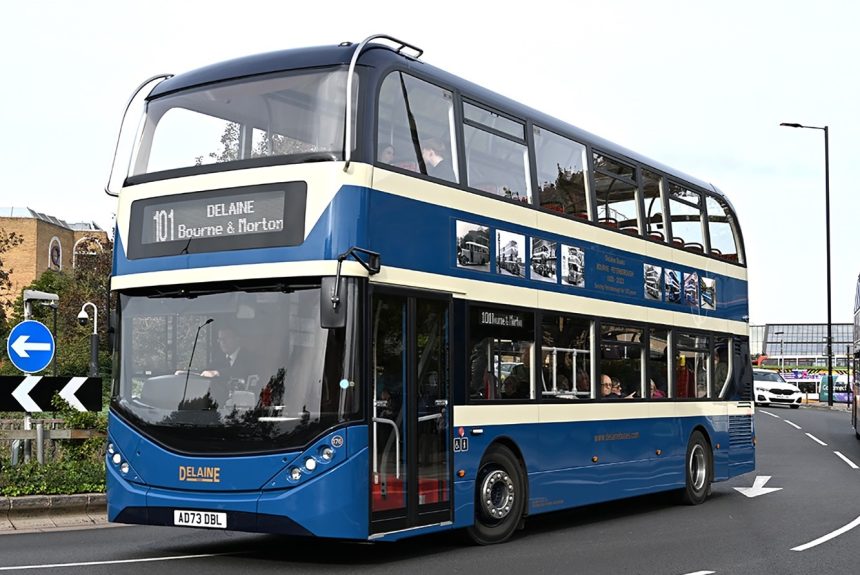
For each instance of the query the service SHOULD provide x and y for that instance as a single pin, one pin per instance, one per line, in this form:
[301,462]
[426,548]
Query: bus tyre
[499,497]
[698,470]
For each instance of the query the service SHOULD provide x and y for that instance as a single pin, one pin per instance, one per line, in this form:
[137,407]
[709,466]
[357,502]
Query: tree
[8,240]
[263,144]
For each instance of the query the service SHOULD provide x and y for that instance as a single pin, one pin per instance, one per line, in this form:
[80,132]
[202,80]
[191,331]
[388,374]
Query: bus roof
[382,58]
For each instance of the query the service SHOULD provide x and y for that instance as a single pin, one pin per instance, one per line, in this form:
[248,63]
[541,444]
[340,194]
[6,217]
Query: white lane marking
[768,413]
[114,562]
[828,537]
[816,440]
[794,425]
[846,460]
[701,573]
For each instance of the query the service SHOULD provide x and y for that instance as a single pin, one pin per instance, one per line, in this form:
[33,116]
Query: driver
[237,362]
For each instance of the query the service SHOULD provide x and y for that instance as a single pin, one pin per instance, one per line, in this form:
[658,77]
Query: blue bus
[299,352]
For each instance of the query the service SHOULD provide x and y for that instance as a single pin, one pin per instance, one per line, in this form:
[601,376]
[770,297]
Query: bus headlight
[310,464]
[111,448]
[117,458]
[327,453]
[124,468]
[295,474]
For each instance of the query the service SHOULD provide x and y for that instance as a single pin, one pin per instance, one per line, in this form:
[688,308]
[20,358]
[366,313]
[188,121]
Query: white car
[770,387]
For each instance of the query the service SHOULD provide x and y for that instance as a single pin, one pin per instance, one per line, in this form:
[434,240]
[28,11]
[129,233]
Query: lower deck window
[501,355]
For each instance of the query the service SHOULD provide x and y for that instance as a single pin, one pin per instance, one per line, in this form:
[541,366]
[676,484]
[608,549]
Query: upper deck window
[561,174]
[416,127]
[685,208]
[721,227]
[655,227]
[616,194]
[298,117]
[496,154]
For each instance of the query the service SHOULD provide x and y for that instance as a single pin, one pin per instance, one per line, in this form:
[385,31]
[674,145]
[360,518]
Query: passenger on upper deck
[434,153]
[386,153]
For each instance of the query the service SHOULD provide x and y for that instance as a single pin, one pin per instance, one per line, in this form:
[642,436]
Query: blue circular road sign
[30,346]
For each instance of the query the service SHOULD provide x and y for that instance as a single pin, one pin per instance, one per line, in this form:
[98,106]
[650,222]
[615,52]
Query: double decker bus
[298,351]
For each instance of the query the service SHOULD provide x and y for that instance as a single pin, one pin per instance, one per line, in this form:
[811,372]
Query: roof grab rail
[401,45]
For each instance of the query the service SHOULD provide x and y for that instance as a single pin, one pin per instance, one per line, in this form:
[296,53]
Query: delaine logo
[200,474]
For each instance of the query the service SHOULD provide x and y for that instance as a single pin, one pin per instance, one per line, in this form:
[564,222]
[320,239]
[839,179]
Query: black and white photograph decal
[510,254]
[543,262]
[473,246]
[572,266]
[652,281]
[709,293]
[672,286]
[691,289]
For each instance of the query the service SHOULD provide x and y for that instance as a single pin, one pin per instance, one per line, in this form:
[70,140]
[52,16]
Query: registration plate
[211,519]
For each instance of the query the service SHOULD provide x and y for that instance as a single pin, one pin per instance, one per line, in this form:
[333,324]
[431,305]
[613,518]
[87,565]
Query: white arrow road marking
[758,487]
[828,537]
[21,347]
[846,460]
[70,389]
[22,393]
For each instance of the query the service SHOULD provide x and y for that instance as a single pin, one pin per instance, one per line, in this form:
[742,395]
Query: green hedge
[56,478]
[79,467]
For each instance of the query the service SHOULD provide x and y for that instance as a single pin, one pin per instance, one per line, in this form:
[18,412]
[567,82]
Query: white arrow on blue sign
[30,346]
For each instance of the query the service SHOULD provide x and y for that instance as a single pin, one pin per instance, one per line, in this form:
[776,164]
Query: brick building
[48,243]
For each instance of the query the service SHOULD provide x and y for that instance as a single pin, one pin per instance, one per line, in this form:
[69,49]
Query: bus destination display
[201,218]
[262,216]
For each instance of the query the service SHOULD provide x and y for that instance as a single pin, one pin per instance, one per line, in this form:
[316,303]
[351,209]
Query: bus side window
[415,117]
[561,174]
[653,216]
[496,154]
[721,228]
[685,210]
[501,356]
[616,194]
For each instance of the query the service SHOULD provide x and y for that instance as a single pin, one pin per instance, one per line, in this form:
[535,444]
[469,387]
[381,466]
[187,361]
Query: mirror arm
[372,266]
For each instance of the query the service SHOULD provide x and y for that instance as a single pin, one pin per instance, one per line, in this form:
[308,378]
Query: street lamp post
[781,363]
[827,231]
[94,337]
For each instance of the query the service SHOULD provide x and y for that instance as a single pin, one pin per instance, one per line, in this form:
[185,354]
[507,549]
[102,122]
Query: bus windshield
[293,117]
[233,371]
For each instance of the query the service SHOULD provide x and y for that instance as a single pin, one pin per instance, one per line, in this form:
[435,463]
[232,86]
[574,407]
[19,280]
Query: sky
[699,86]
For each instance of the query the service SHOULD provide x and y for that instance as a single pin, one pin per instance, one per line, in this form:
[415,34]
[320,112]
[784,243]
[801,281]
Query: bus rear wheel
[698,470]
[499,497]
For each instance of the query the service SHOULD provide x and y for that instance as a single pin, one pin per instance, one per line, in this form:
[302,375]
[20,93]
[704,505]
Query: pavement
[43,512]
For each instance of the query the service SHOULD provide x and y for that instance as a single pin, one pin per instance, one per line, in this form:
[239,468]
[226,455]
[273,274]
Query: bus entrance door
[410,466]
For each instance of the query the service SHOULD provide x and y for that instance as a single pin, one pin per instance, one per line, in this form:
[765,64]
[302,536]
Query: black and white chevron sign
[33,393]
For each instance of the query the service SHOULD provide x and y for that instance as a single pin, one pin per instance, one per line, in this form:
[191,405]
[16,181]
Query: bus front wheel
[698,470]
[499,497]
